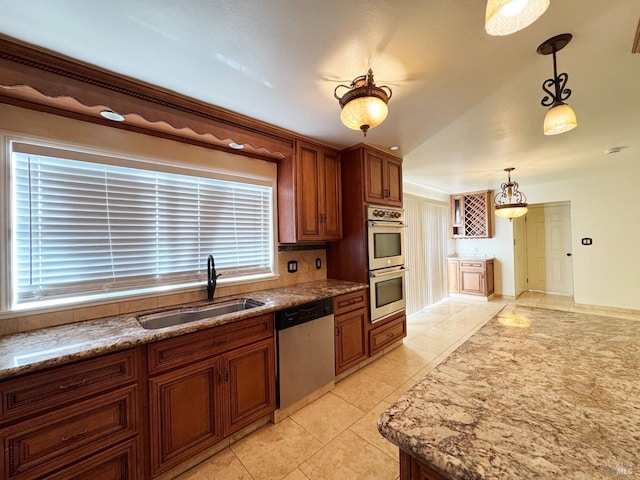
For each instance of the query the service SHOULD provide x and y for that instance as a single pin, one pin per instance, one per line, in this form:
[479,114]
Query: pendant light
[510,202]
[364,105]
[560,118]
[504,17]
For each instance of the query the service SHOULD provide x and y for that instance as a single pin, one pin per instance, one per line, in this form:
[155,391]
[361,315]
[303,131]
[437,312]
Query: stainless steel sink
[178,317]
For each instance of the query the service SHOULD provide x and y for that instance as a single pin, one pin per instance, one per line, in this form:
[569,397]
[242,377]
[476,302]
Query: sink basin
[178,317]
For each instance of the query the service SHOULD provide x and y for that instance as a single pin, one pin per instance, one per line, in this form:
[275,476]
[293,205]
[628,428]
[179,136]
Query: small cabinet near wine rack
[471,215]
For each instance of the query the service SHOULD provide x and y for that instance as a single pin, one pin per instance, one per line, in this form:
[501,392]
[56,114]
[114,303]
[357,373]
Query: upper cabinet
[471,215]
[309,195]
[378,172]
[383,178]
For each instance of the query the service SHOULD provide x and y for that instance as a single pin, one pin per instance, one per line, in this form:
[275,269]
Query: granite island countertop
[30,351]
[535,393]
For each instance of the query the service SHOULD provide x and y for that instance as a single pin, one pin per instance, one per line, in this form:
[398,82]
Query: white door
[549,262]
[520,255]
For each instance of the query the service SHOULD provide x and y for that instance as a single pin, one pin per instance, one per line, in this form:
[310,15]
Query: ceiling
[465,105]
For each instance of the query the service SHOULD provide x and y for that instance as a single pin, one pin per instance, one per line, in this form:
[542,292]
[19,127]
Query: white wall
[604,206]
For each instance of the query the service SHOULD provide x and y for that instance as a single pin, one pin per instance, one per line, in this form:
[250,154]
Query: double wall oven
[385,232]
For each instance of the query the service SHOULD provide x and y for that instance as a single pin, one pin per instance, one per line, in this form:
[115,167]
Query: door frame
[520,265]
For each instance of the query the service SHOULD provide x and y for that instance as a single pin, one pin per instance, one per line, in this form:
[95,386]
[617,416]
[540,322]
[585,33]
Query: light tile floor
[335,437]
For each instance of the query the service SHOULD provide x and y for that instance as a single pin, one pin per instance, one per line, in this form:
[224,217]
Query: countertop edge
[22,352]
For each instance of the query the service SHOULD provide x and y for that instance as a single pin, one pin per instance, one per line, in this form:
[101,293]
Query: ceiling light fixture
[364,105]
[111,115]
[504,17]
[510,202]
[560,118]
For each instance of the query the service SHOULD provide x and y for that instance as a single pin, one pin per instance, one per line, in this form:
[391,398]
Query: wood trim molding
[38,79]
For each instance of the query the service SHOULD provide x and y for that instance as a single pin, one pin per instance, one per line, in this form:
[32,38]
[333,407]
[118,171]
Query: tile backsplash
[307,272]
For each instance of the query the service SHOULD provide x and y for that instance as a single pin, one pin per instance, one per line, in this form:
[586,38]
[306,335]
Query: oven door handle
[379,223]
[395,271]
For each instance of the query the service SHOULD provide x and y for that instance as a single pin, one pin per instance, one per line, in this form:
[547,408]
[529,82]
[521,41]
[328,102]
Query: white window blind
[82,228]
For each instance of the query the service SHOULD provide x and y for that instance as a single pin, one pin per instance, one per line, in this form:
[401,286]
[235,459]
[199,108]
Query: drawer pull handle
[73,385]
[390,335]
[66,438]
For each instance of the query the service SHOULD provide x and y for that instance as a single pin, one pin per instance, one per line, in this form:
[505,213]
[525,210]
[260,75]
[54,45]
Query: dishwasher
[306,356]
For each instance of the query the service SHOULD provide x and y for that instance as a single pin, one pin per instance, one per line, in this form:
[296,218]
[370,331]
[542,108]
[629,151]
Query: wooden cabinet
[413,469]
[351,319]
[309,195]
[471,215]
[383,178]
[207,385]
[73,421]
[387,331]
[366,174]
[471,277]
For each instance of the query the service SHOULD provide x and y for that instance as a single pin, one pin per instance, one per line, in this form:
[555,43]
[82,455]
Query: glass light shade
[560,119]
[504,17]
[361,111]
[511,211]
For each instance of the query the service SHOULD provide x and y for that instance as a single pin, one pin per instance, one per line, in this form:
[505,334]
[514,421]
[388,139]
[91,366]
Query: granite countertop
[535,393]
[30,351]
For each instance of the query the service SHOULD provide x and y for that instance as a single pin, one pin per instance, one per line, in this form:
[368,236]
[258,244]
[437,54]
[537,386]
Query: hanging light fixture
[364,105]
[504,17]
[510,202]
[560,118]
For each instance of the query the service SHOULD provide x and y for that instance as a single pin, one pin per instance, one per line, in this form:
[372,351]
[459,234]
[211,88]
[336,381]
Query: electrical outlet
[318,264]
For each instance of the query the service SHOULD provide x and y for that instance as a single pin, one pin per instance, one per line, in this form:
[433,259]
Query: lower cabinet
[413,469]
[351,319]
[76,421]
[226,383]
[387,331]
[471,277]
[116,463]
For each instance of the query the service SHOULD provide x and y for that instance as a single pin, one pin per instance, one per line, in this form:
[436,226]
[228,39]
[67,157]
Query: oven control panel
[388,214]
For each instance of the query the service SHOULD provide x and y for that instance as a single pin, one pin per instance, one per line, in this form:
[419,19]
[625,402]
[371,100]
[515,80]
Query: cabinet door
[249,375]
[374,178]
[472,282]
[351,339]
[332,216]
[308,172]
[393,182]
[185,413]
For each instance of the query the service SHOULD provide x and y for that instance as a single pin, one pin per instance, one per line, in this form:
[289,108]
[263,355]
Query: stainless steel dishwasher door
[306,359]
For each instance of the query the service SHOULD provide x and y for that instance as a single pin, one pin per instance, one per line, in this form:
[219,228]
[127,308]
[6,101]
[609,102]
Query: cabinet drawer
[117,463]
[54,440]
[479,265]
[179,351]
[349,302]
[53,388]
[387,334]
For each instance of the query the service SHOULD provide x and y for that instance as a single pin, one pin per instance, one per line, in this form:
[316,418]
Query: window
[85,229]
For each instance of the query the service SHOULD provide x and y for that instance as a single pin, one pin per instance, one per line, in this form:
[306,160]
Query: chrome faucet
[212,277]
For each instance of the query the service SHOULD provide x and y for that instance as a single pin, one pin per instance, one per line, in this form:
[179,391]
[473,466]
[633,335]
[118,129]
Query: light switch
[292,266]
[587,241]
